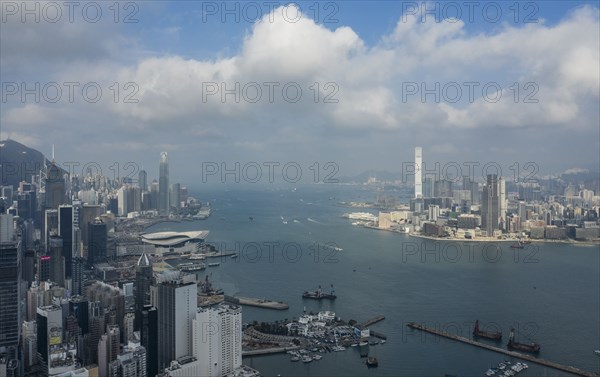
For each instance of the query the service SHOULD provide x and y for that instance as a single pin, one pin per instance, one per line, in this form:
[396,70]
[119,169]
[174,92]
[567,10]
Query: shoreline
[490,240]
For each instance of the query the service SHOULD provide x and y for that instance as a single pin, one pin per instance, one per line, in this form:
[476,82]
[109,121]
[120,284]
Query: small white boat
[597,352]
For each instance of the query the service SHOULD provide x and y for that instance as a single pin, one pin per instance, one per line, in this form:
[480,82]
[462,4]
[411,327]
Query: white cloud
[562,60]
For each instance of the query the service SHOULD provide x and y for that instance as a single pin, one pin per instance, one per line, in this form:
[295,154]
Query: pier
[533,359]
[268,351]
[372,321]
[260,303]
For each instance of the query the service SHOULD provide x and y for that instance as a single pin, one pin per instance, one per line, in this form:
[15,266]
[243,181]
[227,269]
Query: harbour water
[549,292]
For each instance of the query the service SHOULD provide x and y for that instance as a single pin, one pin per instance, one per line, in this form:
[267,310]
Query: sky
[355,83]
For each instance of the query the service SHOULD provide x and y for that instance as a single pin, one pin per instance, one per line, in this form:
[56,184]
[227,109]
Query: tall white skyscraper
[418,170]
[163,185]
[217,343]
[502,202]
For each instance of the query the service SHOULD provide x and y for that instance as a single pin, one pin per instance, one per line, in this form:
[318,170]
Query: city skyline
[315,188]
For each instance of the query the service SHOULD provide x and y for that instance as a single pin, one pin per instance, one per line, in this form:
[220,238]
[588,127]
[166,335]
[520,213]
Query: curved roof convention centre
[168,239]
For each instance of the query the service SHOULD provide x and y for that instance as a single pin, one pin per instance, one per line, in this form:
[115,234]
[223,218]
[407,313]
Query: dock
[268,351]
[533,359]
[372,321]
[260,303]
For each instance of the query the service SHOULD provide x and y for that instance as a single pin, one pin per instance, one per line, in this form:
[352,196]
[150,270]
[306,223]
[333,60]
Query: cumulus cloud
[368,85]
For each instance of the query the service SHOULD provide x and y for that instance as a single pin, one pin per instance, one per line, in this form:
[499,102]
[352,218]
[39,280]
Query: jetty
[260,303]
[530,358]
[268,351]
[372,321]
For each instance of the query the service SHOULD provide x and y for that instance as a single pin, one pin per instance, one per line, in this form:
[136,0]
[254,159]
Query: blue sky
[370,20]
[376,62]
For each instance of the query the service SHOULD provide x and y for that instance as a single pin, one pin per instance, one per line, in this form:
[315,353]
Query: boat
[306,359]
[197,257]
[490,372]
[517,245]
[338,348]
[526,347]
[493,335]
[317,357]
[597,352]
[382,341]
[234,256]
[320,295]
[372,361]
[214,264]
[191,266]
[373,342]
[295,358]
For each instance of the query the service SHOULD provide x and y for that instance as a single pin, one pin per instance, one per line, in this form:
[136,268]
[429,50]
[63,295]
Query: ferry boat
[191,266]
[214,264]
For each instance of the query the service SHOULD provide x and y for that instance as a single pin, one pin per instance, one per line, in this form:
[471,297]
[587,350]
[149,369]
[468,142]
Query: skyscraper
[418,171]
[57,260]
[97,241]
[149,338]
[10,290]
[66,231]
[175,200]
[163,185]
[143,280]
[177,306]
[490,205]
[55,186]
[219,350]
[217,344]
[502,203]
[143,180]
